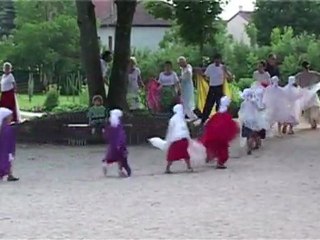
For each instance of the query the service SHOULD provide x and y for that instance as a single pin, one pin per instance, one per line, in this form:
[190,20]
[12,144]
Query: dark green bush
[244,83]
[70,107]
[52,99]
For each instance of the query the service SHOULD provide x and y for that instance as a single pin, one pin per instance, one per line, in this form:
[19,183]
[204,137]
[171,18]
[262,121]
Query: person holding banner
[216,73]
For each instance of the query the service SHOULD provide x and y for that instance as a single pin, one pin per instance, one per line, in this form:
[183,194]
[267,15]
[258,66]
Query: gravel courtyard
[62,195]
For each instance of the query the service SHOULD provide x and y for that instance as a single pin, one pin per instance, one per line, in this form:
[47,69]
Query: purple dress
[7,146]
[117,149]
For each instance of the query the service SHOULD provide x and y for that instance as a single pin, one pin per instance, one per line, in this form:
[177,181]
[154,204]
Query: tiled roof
[244,14]
[107,16]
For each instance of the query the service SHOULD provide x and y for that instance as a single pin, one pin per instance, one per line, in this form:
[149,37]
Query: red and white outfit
[8,98]
[178,136]
[219,131]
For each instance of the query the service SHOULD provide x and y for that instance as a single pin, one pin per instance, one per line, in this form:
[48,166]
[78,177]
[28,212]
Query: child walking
[276,102]
[177,138]
[117,150]
[294,94]
[97,114]
[219,131]
[7,145]
[251,120]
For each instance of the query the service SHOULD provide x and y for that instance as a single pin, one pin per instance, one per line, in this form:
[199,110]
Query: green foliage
[300,15]
[160,9]
[84,96]
[196,19]
[244,83]
[7,15]
[46,36]
[30,86]
[70,107]
[52,99]
[252,32]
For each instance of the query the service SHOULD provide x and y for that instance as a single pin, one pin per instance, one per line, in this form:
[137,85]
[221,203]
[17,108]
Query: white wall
[237,29]
[141,37]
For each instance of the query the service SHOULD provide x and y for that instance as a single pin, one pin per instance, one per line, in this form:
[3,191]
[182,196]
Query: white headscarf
[275,81]
[181,58]
[224,104]
[7,64]
[291,80]
[178,110]
[178,128]
[247,94]
[4,112]
[134,60]
[115,116]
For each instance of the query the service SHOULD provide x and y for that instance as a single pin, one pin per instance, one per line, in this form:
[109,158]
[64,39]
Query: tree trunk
[119,74]
[90,48]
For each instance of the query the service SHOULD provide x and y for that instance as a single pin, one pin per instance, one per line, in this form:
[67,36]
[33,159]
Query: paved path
[273,194]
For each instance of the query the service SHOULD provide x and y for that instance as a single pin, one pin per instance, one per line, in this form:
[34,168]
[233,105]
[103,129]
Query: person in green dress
[170,87]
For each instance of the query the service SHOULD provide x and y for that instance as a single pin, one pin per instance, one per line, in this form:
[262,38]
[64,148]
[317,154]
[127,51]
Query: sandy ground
[62,195]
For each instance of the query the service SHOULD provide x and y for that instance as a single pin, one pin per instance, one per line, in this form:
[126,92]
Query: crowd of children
[265,106]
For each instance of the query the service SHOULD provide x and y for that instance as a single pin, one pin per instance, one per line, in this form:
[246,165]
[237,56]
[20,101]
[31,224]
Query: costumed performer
[7,145]
[295,96]
[277,104]
[219,131]
[117,150]
[251,123]
[306,80]
[177,138]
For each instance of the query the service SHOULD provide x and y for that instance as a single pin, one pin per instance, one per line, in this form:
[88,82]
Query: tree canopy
[196,19]
[46,34]
[302,16]
[7,15]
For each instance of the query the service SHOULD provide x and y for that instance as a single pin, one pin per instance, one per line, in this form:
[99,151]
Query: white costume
[248,113]
[295,97]
[178,130]
[276,102]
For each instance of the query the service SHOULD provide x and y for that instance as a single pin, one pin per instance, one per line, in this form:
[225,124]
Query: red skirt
[8,100]
[178,150]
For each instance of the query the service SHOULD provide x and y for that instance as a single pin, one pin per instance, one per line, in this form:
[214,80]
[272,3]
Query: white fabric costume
[178,130]
[276,102]
[295,97]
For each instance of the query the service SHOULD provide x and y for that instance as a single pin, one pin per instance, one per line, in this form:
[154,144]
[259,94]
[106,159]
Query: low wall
[53,129]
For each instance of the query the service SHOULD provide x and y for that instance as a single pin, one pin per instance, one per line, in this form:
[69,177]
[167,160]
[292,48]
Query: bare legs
[169,164]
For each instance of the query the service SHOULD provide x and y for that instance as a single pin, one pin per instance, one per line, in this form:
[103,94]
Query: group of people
[266,104]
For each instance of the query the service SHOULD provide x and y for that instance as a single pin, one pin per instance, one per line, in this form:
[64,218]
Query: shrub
[70,107]
[52,99]
[84,96]
[244,83]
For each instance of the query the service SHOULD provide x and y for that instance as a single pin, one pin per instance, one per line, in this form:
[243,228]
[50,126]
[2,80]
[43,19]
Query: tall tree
[300,15]
[197,20]
[7,15]
[90,47]
[119,72]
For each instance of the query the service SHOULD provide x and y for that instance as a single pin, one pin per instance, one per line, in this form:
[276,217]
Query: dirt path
[273,194]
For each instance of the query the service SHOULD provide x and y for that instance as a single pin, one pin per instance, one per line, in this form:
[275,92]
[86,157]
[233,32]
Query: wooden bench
[79,134]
